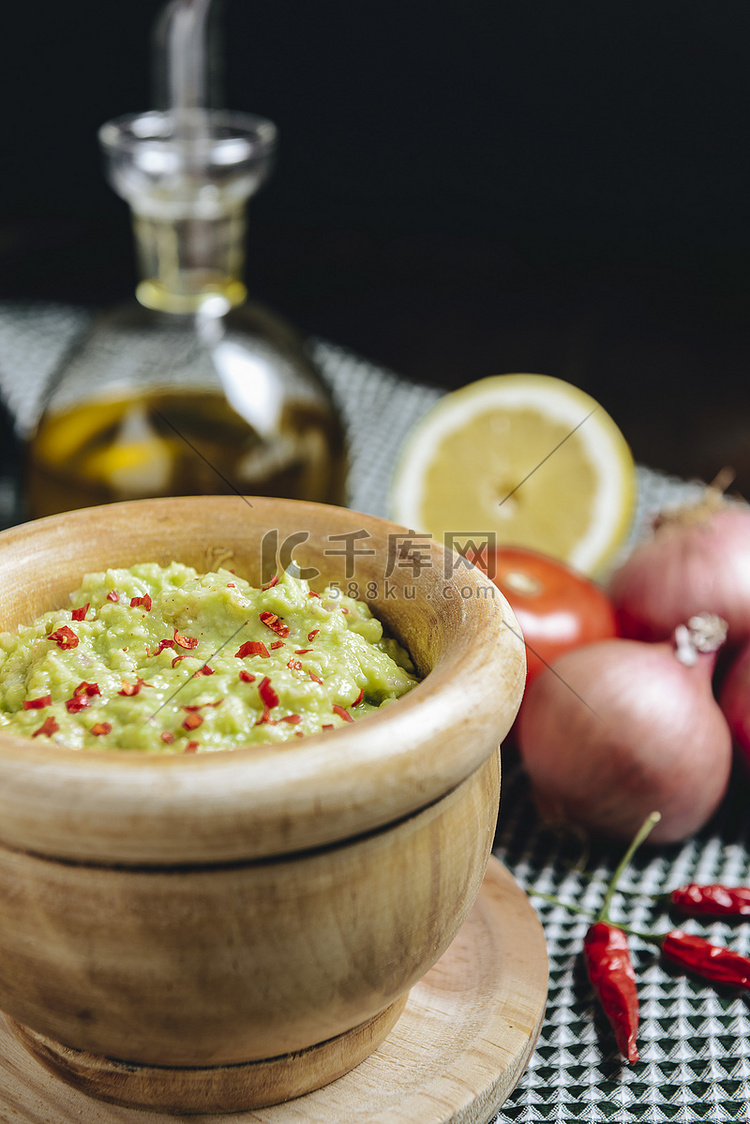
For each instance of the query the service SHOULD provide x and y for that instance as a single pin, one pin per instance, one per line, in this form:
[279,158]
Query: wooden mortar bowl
[232,908]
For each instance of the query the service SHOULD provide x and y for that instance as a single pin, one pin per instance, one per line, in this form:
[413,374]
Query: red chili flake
[274,581]
[64,637]
[327,726]
[200,706]
[265,718]
[113,595]
[80,614]
[359,697]
[231,585]
[267,693]
[191,747]
[312,593]
[101,728]
[89,689]
[185,641]
[162,645]
[205,670]
[177,660]
[344,610]
[192,722]
[294,665]
[314,677]
[80,700]
[246,677]
[37,704]
[299,734]
[48,727]
[133,688]
[302,651]
[167,737]
[145,601]
[251,648]
[711,901]
[720,965]
[313,634]
[342,713]
[611,973]
[292,719]
[277,644]
[270,620]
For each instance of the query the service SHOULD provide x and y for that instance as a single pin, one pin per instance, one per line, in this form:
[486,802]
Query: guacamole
[166,660]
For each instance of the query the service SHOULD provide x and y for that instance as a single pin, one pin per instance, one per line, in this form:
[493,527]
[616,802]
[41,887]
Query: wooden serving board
[456,1053]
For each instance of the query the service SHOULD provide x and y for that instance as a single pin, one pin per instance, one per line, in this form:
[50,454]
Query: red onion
[734,700]
[698,559]
[619,728]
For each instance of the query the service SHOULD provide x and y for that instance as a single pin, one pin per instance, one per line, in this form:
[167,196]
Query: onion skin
[649,735]
[734,700]
[698,559]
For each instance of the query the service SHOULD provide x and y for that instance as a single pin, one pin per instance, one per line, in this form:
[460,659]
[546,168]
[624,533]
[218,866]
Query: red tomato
[557,608]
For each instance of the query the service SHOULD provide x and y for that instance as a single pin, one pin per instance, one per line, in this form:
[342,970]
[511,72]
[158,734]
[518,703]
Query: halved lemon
[530,459]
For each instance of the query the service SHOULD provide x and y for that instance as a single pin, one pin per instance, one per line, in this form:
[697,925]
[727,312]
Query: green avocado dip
[166,660]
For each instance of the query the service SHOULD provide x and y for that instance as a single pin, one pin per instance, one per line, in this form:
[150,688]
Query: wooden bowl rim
[245,804]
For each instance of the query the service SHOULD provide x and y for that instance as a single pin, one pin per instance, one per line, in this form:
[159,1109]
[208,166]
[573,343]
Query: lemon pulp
[530,459]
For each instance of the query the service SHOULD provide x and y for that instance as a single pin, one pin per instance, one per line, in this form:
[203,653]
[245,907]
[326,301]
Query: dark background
[462,189]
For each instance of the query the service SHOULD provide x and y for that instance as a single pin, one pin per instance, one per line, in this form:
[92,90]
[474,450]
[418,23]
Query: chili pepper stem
[643,832]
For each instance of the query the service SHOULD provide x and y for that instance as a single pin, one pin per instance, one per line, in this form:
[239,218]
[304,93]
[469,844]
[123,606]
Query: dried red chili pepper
[251,648]
[192,722]
[612,977]
[270,620]
[133,688]
[80,700]
[265,718]
[89,689]
[608,961]
[313,634]
[145,601]
[191,747]
[293,719]
[64,637]
[274,581]
[710,961]
[302,651]
[315,678]
[205,670]
[101,728]
[47,728]
[711,901]
[247,677]
[167,737]
[342,713]
[77,703]
[80,614]
[113,595]
[189,642]
[37,704]
[359,697]
[162,645]
[294,665]
[178,659]
[268,696]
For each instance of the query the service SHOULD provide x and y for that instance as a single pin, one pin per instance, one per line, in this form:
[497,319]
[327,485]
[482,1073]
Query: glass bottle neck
[182,262]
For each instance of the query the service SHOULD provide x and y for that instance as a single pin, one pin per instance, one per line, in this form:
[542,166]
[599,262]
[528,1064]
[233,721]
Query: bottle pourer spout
[186,57]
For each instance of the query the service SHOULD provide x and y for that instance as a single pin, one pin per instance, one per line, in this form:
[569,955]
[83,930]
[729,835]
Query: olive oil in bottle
[188,389]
